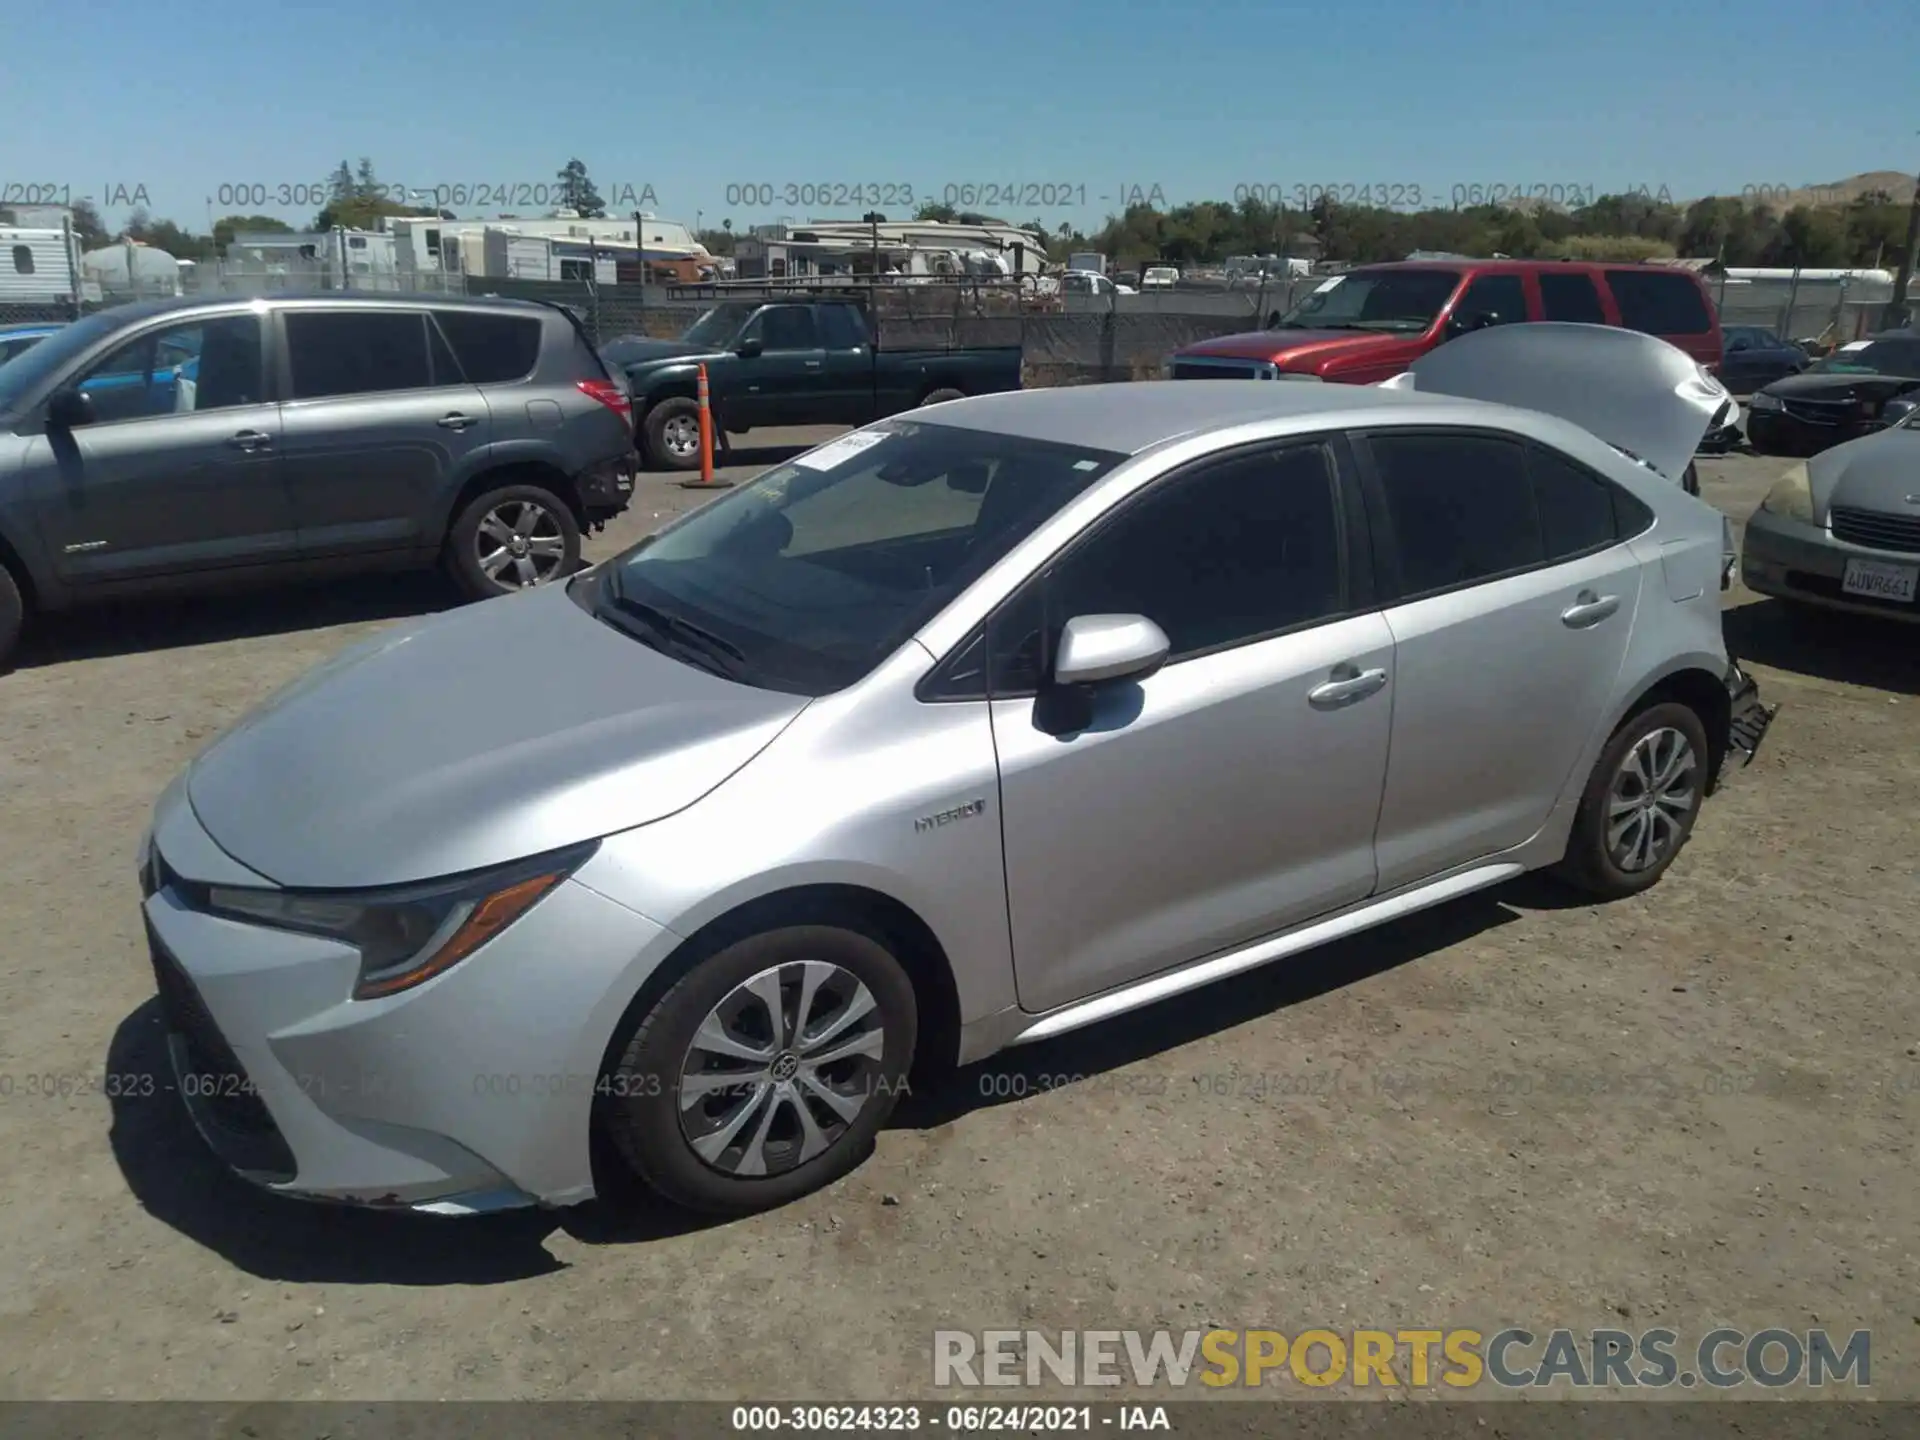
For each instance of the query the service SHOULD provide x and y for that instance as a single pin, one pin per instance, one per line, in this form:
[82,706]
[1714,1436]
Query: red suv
[1369,324]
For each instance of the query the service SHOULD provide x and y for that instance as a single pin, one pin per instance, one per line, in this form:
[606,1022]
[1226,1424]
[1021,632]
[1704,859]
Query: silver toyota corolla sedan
[974,726]
[1842,530]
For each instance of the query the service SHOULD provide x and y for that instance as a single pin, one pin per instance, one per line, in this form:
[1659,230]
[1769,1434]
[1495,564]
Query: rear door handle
[251,440]
[454,420]
[1347,685]
[813,364]
[1588,609]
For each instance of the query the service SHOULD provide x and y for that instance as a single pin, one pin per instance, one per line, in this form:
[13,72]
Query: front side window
[357,352]
[1493,299]
[181,369]
[812,574]
[1461,506]
[784,327]
[1245,548]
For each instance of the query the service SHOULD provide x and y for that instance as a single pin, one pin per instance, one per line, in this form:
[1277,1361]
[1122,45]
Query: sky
[754,112]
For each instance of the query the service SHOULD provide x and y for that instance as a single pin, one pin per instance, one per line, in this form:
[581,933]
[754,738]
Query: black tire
[555,519]
[13,617]
[640,1098]
[675,411]
[942,395]
[1590,863]
[1690,482]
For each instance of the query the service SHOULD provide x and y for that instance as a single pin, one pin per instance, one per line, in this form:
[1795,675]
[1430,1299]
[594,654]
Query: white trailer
[38,266]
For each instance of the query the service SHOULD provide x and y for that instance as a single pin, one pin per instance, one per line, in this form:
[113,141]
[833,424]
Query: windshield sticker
[1086,464]
[1855,345]
[838,452]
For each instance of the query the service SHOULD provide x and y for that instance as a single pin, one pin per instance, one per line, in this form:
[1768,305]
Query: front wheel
[673,433]
[766,1071]
[512,539]
[1640,803]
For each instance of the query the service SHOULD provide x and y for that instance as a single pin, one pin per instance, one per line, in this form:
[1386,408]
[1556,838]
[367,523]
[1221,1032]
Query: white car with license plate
[1842,530]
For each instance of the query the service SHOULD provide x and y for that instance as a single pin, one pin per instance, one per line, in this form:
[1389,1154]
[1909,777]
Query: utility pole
[1900,311]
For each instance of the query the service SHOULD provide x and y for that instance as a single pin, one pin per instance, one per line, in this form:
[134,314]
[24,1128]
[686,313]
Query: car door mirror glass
[749,347]
[70,408]
[1095,649]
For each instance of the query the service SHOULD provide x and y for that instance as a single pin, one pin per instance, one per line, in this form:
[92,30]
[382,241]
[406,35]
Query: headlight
[1760,400]
[1791,495]
[406,935]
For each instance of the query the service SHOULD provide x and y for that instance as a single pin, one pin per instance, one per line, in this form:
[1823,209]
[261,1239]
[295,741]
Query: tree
[340,186]
[578,195]
[138,223]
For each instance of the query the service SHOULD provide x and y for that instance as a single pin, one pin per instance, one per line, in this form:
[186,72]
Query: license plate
[1881,580]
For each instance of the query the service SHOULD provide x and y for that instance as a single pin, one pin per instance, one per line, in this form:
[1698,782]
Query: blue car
[16,339]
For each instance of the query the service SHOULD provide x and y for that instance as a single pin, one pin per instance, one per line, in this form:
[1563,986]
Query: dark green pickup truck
[789,363]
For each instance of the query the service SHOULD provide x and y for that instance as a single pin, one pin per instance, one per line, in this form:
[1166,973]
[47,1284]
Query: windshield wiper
[664,630]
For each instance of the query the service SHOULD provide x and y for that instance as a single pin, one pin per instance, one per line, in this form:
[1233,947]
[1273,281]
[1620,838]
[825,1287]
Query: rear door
[849,369]
[1670,304]
[379,419]
[179,472]
[1570,296]
[1513,596]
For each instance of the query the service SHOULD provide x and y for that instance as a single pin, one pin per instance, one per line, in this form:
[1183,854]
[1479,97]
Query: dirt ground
[1691,1109]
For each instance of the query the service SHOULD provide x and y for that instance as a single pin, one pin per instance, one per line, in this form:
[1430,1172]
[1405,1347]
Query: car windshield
[719,325]
[21,376]
[1887,357]
[808,577]
[1400,300]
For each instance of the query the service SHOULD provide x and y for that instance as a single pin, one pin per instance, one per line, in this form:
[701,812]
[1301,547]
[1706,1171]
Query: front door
[1222,798]
[1517,596]
[378,422]
[785,383]
[178,470]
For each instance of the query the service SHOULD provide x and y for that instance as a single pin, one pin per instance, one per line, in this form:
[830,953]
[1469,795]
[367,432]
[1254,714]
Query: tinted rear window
[357,352]
[1570,297]
[492,349]
[1659,304]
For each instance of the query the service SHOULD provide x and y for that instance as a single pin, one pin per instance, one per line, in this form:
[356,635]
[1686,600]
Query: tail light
[609,394]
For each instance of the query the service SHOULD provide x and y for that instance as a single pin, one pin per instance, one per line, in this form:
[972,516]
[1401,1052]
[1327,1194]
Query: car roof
[1129,417]
[144,309]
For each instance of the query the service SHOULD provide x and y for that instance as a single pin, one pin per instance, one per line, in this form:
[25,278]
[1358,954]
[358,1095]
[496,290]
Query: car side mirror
[1096,649]
[69,409]
[747,349]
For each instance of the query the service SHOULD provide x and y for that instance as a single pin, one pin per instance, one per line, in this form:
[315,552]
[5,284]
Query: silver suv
[192,444]
[972,727]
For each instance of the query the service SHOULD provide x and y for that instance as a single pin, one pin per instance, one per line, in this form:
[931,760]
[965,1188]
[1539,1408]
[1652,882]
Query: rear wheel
[673,433]
[13,617]
[1640,803]
[512,539]
[766,1071]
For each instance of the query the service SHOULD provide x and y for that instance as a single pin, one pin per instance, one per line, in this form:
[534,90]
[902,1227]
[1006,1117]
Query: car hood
[1290,346]
[1879,472]
[483,735]
[1636,392]
[651,352]
[1836,385]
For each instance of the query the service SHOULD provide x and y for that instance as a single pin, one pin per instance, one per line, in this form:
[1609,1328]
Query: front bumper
[1779,432]
[471,1093]
[1800,560]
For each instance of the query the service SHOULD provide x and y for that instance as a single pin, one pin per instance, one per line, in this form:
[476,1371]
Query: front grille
[1222,370]
[1876,529]
[1829,587]
[1819,412]
[212,1081]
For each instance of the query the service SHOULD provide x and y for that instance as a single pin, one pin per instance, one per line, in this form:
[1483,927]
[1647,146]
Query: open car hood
[1634,391]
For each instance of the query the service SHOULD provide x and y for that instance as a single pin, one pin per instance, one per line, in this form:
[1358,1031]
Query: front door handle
[813,364]
[454,420]
[250,440]
[1588,609]
[1347,685]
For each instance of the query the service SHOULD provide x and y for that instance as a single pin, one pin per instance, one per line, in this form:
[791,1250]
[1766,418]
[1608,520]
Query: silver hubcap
[1653,794]
[681,434]
[519,544]
[780,1069]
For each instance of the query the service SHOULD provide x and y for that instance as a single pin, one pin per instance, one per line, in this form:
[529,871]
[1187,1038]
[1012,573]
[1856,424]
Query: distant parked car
[1862,387]
[1754,357]
[18,339]
[1842,529]
[189,444]
[1159,277]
